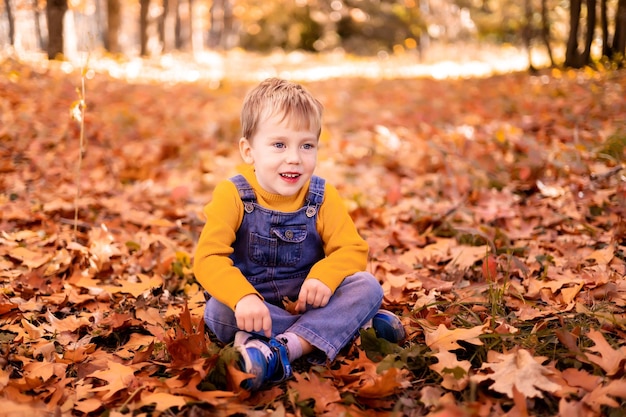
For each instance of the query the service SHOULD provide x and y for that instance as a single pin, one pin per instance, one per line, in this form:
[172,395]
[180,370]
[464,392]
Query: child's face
[284,159]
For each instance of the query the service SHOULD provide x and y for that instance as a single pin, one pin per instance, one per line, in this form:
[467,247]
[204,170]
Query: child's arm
[346,251]
[213,268]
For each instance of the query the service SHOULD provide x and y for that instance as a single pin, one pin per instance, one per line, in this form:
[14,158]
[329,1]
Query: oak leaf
[602,395]
[609,359]
[455,373]
[519,370]
[444,339]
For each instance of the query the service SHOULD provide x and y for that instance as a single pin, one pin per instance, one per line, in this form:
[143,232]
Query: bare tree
[55,11]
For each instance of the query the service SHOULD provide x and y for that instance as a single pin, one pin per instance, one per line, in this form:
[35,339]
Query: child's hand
[252,315]
[314,293]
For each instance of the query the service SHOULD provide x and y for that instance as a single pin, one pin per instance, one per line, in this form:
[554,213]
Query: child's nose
[293,156]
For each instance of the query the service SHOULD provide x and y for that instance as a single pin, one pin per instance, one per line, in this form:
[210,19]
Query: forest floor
[494,205]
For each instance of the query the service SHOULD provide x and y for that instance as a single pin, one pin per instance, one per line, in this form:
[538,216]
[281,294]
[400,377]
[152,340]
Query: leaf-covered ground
[495,209]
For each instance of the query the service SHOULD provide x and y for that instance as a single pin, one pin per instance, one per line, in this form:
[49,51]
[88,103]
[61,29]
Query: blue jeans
[328,328]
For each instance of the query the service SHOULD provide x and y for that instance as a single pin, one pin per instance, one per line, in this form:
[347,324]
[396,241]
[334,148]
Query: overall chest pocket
[283,247]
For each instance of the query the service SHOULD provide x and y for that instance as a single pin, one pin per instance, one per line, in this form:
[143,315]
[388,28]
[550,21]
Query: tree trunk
[55,11]
[604,23]
[36,17]
[143,26]
[114,23]
[191,27]
[167,25]
[527,33]
[11,20]
[572,55]
[619,40]
[591,26]
[545,30]
[178,37]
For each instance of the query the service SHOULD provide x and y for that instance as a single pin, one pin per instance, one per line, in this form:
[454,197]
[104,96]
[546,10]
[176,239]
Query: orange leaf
[320,389]
[163,401]
[610,359]
[382,385]
[118,376]
[444,339]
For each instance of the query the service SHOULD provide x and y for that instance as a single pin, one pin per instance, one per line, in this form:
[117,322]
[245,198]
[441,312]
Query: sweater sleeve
[346,251]
[212,266]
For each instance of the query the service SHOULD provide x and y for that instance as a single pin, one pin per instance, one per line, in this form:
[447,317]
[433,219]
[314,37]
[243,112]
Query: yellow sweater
[346,251]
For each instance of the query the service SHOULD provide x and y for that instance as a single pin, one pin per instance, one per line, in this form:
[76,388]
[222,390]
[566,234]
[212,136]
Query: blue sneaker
[265,359]
[388,326]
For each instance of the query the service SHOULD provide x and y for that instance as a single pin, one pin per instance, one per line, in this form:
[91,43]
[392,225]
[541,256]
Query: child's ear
[246,151]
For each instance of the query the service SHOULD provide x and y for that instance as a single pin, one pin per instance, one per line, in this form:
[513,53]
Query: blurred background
[572,33]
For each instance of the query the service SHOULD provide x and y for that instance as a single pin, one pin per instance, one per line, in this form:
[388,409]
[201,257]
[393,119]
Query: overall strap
[315,197]
[246,193]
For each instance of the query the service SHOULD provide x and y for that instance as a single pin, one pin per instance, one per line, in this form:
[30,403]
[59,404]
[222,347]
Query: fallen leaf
[163,401]
[444,339]
[609,359]
[118,376]
[455,373]
[520,370]
[320,389]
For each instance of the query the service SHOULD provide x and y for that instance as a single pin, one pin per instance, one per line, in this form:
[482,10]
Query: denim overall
[275,251]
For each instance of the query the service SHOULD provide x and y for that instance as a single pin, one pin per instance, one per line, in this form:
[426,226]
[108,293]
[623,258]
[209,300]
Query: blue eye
[279,145]
[308,146]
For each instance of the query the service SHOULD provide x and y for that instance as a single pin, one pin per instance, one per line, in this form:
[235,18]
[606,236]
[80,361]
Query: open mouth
[290,176]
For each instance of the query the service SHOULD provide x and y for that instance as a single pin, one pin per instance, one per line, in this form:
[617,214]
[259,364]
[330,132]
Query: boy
[275,233]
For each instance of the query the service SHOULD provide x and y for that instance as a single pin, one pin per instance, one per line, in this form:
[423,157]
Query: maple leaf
[382,385]
[314,387]
[444,339]
[610,359]
[186,343]
[118,376]
[520,370]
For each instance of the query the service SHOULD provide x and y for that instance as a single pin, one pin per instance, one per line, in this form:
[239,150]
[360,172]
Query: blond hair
[276,96]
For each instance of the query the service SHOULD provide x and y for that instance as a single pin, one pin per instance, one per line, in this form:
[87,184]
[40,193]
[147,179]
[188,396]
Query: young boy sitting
[277,233]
